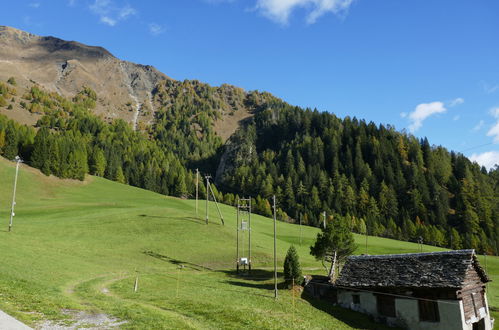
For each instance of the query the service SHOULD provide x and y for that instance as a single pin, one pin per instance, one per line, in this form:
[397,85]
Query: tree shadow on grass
[176,261]
[261,286]
[198,221]
[353,319]
[254,275]
[254,279]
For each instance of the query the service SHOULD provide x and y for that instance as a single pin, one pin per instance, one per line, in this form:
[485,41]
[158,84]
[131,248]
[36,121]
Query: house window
[356,299]
[386,305]
[428,311]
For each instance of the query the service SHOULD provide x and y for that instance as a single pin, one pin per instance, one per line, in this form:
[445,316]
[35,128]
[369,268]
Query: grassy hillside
[81,245]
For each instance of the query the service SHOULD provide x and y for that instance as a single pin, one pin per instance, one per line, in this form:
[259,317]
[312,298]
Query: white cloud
[489,89]
[494,130]
[109,13]
[108,20]
[455,102]
[100,7]
[456,117]
[35,5]
[280,10]
[156,29]
[423,111]
[403,114]
[478,126]
[127,11]
[28,21]
[487,159]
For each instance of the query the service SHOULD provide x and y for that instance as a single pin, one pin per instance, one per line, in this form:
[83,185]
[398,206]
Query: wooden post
[178,280]
[136,285]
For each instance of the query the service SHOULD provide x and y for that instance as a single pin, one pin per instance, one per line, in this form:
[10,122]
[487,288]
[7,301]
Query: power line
[476,147]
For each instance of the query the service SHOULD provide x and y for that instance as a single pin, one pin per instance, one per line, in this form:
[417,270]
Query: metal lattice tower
[243,229]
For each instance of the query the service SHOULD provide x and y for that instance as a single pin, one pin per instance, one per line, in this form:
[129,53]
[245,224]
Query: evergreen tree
[11,148]
[292,268]
[336,237]
[97,162]
[119,177]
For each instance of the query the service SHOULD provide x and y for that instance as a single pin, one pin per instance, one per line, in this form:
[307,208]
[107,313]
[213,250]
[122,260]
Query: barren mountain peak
[123,88]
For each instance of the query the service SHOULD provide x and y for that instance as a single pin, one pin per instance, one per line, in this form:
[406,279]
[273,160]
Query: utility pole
[237,236]
[486,284]
[207,195]
[249,237]
[197,190]
[275,253]
[366,240]
[300,229]
[18,160]
[216,204]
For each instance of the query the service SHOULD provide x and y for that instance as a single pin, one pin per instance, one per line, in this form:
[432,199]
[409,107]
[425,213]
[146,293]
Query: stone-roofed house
[437,290]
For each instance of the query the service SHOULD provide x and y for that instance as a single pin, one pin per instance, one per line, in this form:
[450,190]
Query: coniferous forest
[383,182]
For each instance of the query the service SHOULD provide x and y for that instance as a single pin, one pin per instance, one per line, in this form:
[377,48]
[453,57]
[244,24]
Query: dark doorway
[480,325]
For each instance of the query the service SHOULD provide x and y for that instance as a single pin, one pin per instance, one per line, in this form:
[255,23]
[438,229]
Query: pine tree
[2,140]
[336,237]
[98,162]
[119,177]
[292,268]
[11,148]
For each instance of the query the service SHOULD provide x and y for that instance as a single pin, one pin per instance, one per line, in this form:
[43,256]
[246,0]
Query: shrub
[12,81]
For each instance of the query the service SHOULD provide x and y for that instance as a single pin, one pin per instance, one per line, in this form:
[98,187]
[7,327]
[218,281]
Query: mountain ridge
[123,88]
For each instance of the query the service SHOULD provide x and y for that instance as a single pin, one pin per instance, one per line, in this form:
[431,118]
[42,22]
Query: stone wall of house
[367,302]
[450,312]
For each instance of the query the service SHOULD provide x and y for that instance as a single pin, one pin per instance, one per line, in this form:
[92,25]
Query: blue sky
[429,67]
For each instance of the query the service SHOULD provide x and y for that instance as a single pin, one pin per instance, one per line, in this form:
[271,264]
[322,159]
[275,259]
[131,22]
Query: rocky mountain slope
[124,89]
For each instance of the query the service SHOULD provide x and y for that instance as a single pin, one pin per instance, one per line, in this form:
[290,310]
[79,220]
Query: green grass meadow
[82,245]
